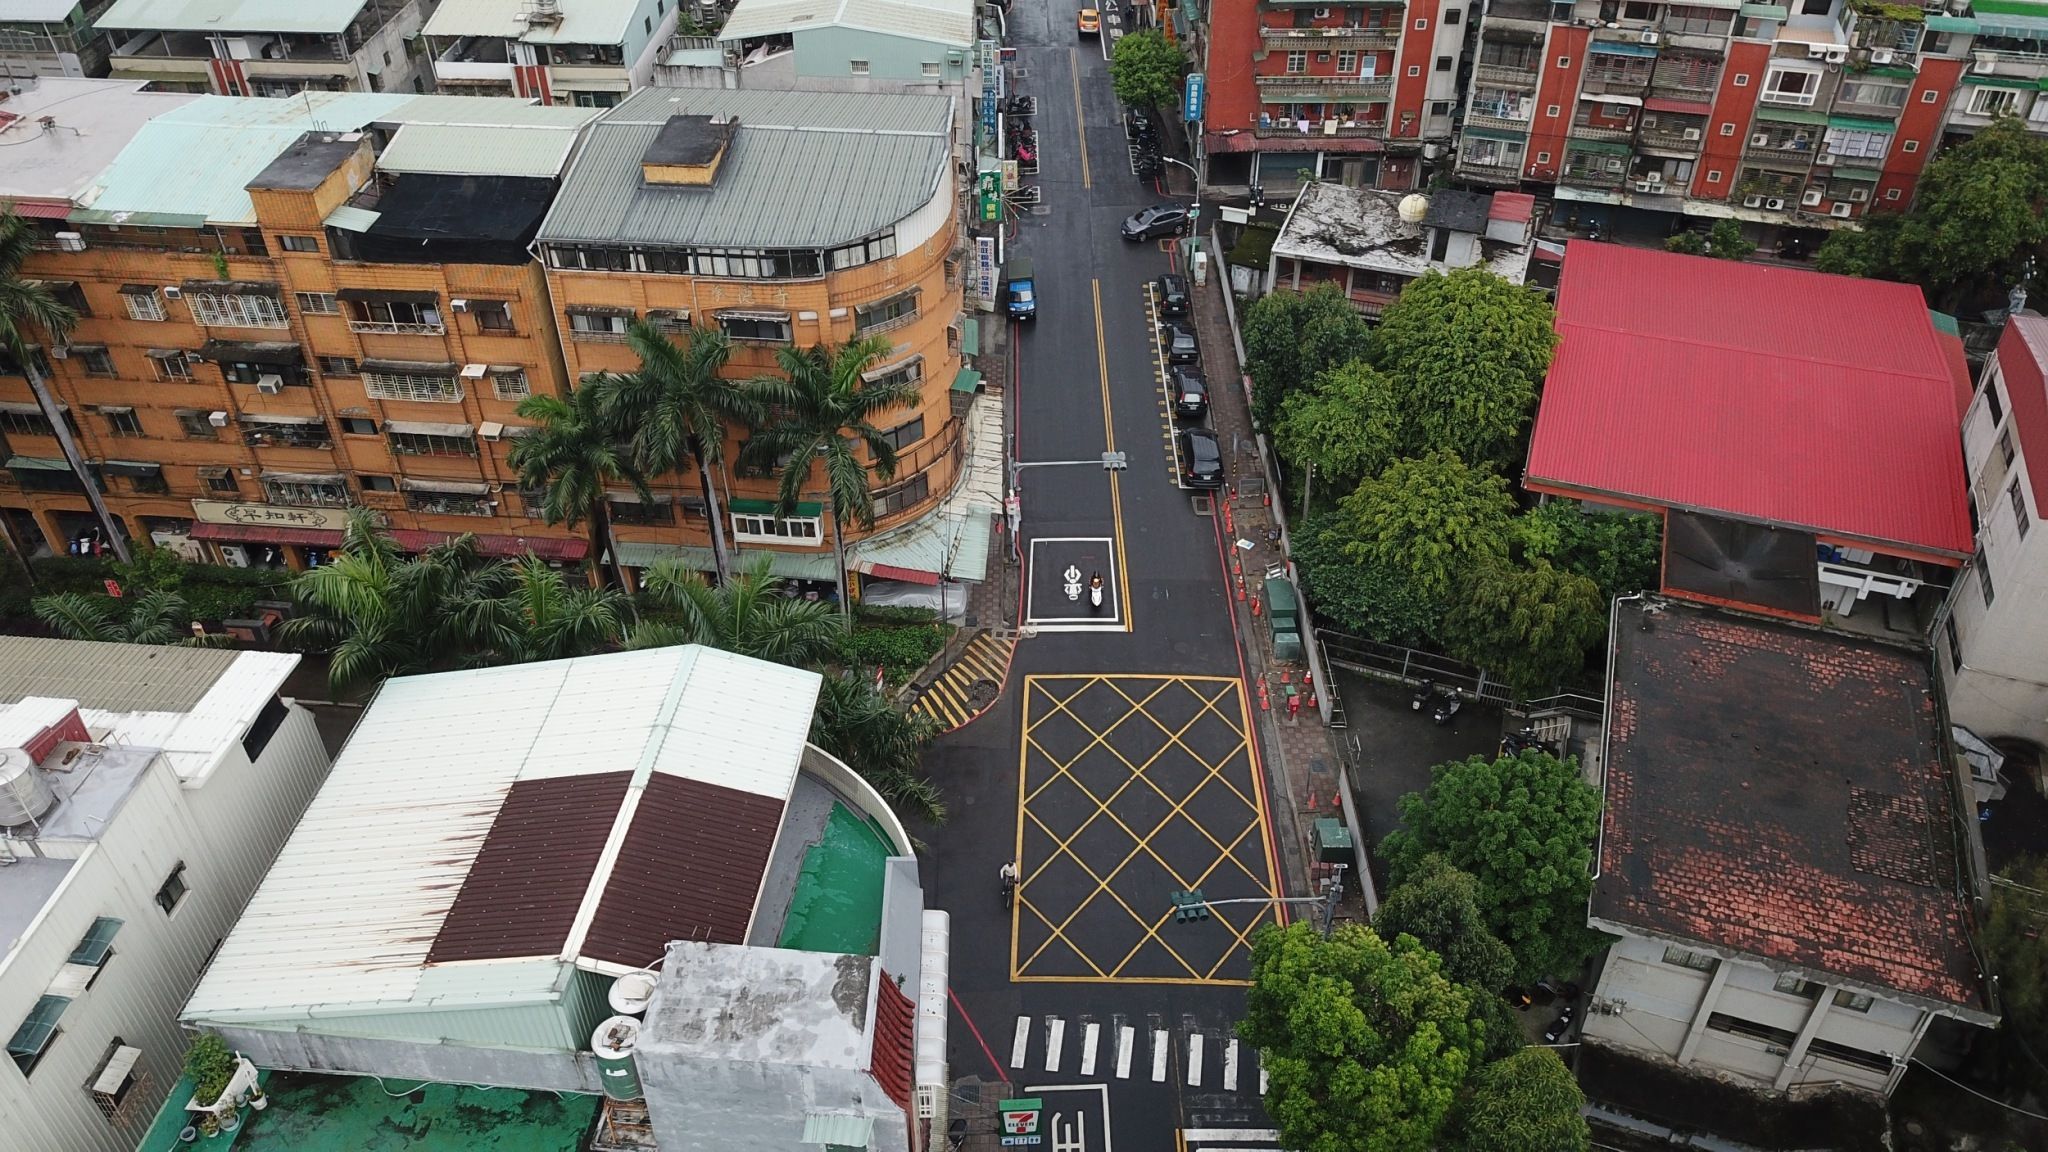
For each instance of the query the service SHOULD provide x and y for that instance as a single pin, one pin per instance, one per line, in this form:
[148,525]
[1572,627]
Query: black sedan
[1173,295]
[1156,221]
[1201,459]
[1179,342]
[1190,392]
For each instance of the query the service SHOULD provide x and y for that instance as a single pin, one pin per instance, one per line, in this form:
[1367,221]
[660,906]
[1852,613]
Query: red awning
[907,575]
[545,547]
[1242,141]
[43,209]
[268,534]
[1667,104]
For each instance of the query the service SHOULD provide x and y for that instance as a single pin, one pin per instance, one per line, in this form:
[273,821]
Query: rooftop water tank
[632,992]
[24,794]
[1414,207]
[612,1044]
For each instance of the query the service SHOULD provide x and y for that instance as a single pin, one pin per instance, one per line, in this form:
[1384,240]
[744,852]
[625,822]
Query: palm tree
[575,452]
[859,725]
[155,617]
[25,304]
[557,621]
[825,410]
[679,408]
[747,615]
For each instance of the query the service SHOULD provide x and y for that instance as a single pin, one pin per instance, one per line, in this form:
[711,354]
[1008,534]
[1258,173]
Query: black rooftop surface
[1778,791]
[456,219]
[1458,210]
[310,159]
[1730,561]
[690,140]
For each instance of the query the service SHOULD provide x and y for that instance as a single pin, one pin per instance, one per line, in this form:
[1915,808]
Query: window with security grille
[319,303]
[510,384]
[429,444]
[263,434]
[449,504]
[170,366]
[242,310]
[394,316]
[222,481]
[306,493]
[408,386]
[143,305]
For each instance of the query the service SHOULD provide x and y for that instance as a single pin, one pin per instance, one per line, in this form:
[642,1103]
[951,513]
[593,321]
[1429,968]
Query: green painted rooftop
[310,1113]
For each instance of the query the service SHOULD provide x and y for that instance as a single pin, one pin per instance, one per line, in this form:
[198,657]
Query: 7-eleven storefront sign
[1020,1121]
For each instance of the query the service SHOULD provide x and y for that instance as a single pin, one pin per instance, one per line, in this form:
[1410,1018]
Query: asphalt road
[1117,768]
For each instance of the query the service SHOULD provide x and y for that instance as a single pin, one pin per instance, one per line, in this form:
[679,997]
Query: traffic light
[1188,906]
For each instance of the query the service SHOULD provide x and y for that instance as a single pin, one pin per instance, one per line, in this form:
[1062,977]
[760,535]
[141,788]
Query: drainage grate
[1205,504]
[1041,210]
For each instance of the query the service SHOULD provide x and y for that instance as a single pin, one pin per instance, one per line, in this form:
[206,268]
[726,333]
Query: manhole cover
[1041,210]
[982,693]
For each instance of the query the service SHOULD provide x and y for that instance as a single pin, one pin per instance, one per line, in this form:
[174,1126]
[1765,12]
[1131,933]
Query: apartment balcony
[1779,156]
[1478,119]
[386,329]
[1330,39]
[1592,178]
[1339,129]
[1506,172]
[1318,89]
[1505,74]
[1686,140]
[2033,65]
[1830,162]
[1606,135]
[1611,85]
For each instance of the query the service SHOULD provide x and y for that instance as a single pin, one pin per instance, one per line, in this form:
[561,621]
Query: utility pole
[1192,905]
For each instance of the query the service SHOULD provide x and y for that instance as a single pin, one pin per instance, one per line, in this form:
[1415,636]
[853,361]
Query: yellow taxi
[1089,22]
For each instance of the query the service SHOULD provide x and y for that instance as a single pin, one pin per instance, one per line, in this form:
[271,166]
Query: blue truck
[1020,293]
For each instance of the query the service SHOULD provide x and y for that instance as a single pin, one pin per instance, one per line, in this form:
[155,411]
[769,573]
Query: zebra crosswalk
[1211,1058]
[970,684]
[1230,1139]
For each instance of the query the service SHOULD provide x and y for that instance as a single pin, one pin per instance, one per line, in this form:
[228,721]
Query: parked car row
[1201,457]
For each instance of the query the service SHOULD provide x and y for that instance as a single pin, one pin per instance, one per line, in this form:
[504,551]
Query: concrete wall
[2001,686]
[226,834]
[826,52]
[558,1069]
[642,47]
[738,1106]
[404,69]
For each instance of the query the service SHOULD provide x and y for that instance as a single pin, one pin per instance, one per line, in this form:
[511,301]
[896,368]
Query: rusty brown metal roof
[533,869]
[689,869]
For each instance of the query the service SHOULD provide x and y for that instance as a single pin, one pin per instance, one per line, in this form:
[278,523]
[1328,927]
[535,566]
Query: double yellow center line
[1116,497]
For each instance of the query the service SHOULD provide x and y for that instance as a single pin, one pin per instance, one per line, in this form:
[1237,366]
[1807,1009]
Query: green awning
[1496,133]
[1860,123]
[970,337]
[785,565]
[28,1040]
[1890,72]
[838,1129]
[1860,175]
[1766,11]
[1790,115]
[1600,147]
[968,381]
[38,464]
[1951,24]
[2010,7]
[1943,322]
[99,940]
[767,508]
[2001,81]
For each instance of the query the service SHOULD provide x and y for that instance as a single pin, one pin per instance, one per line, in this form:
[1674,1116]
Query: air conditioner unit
[217,419]
[233,555]
[1837,55]
[1880,55]
[1648,37]
[490,430]
[1322,13]
[1775,204]
[1980,62]
[1690,134]
[1811,199]
[459,305]
[1827,158]
[1859,195]
[61,352]
[1816,51]
[1752,201]
[70,242]
[473,371]
[1842,210]
[1649,185]
[1759,140]
[172,292]
[1322,57]
[269,384]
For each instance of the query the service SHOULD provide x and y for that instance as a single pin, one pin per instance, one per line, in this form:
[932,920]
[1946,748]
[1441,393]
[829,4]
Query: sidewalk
[1301,755]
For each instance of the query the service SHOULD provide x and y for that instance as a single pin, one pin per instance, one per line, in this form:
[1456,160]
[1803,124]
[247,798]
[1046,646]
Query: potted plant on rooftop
[211,1066]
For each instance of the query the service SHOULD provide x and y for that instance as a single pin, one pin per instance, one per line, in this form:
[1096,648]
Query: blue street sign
[1192,109]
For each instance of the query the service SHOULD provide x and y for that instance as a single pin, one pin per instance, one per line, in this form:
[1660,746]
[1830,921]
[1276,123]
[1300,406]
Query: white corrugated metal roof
[35,11]
[583,21]
[949,22]
[348,913]
[316,16]
[474,150]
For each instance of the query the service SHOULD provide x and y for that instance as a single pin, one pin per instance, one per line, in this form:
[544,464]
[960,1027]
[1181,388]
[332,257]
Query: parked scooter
[1424,693]
[1447,705]
[1026,154]
[1018,106]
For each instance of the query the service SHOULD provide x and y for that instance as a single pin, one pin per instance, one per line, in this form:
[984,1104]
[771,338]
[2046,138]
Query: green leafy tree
[2017,946]
[1723,241]
[1365,1043]
[1467,352]
[679,409]
[153,617]
[29,313]
[1528,1102]
[1620,552]
[1378,603]
[554,618]
[1345,424]
[1531,625]
[1867,251]
[1429,520]
[825,412]
[574,456]
[1291,338]
[1503,1024]
[747,614]
[884,745]
[1146,69]
[1439,906]
[1523,826]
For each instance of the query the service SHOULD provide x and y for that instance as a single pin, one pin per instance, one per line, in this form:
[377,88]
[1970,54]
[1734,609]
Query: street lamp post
[1014,506]
[1192,905]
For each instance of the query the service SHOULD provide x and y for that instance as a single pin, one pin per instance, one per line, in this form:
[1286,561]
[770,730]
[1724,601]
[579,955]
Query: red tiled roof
[1516,206]
[1764,393]
[2021,348]
[689,869]
[1779,792]
[907,575]
[268,534]
[891,1059]
[532,870]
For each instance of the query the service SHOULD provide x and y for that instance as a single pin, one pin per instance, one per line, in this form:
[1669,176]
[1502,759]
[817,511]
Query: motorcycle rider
[1095,590]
